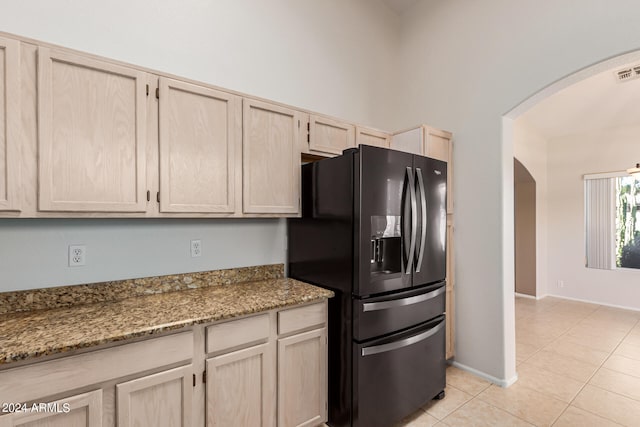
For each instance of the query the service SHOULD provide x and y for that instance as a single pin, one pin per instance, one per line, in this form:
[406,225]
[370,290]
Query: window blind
[600,223]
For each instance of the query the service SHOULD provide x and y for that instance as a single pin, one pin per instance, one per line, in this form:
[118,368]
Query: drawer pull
[383,305]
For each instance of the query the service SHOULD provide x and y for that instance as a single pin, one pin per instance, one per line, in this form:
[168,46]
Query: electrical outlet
[77,255]
[561,283]
[196,248]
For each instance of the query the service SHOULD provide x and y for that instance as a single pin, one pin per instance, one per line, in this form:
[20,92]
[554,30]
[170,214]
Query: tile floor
[578,365]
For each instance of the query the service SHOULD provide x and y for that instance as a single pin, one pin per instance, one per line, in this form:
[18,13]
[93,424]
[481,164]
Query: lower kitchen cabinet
[82,410]
[239,388]
[160,400]
[302,379]
[265,369]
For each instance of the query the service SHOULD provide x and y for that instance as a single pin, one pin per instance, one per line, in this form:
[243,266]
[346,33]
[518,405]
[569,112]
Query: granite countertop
[29,334]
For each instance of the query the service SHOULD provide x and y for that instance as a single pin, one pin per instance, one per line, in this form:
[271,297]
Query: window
[612,221]
[627,222]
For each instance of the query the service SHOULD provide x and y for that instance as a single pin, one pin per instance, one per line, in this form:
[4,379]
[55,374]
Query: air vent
[627,74]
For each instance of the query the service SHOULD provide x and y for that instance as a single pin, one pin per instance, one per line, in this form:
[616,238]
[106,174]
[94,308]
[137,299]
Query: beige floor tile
[525,403]
[609,405]
[525,351]
[582,329]
[453,399]
[549,383]
[623,364]
[617,382]
[477,413]
[418,419]
[578,351]
[633,338]
[465,381]
[627,349]
[598,342]
[563,365]
[576,417]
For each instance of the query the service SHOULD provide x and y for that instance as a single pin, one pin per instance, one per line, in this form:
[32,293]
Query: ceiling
[598,102]
[400,6]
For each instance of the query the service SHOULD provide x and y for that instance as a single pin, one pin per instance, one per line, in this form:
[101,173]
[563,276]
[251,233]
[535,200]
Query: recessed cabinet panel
[159,400]
[302,379]
[83,410]
[271,159]
[240,388]
[410,141]
[91,122]
[200,131]
[9,124]
[330,136]
[372,137]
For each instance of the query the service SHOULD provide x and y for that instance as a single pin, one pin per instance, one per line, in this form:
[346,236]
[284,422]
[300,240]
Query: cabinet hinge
[308,131]
[148,195]
[158,93]
[147,90]
[194,380]
[298,124]
[204,377]
[158,197]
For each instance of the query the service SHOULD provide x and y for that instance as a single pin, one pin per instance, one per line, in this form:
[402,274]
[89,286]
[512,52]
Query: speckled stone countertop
[29,334]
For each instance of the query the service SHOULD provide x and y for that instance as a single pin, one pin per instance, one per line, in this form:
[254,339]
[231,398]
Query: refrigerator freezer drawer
[394,376]
[378,316]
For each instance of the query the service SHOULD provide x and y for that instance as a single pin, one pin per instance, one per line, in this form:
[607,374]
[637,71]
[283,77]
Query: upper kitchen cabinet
[92,134]
[430,142]
[372,137]
[9,124]
[200,137]
[271,159]
[329,137]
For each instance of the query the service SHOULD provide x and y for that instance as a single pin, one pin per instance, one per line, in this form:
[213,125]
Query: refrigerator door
[395,375]
[385,232]
[431,190]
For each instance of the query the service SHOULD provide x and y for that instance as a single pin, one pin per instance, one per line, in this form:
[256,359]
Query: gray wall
[34,252]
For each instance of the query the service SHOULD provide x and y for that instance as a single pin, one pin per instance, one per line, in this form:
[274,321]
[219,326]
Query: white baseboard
[594,302]
[518,294]
[497,381]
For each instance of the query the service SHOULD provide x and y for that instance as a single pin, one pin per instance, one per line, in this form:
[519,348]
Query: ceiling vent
[627,74]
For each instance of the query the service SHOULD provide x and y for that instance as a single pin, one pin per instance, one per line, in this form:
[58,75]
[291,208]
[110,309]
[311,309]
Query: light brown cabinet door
[271,159]
[450,302]
[439,146]
[240,388]
[330,136]
[83,410]
[159,400]
[302,379]
[9,124]
[372,137]
[91,130]
[200,135]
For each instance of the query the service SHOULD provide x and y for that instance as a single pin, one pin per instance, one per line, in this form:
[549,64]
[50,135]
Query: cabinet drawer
[47,378]
[237,333]
[300,318]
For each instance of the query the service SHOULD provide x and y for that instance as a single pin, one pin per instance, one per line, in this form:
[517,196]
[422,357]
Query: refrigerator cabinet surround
[373,230]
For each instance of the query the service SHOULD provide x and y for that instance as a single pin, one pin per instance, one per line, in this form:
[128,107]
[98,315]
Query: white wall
[330,56]
[462,66]
[570,157]
[530,148]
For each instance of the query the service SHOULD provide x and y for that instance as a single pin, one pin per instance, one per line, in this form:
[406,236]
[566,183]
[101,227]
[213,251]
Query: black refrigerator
[373,230]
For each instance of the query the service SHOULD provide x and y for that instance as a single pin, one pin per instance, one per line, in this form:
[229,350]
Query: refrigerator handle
[414,220]
[423,222]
